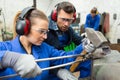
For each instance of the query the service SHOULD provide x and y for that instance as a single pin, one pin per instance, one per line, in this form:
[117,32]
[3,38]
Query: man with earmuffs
[93,19]
[62,36]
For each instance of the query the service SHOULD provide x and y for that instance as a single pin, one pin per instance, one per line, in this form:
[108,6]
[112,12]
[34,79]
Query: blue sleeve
[96,26]
[87,22]
[5,45]
[84,67]
[3,48]
[55,53]
[2,54]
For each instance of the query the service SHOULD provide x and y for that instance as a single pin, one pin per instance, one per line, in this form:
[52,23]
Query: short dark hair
[66,6]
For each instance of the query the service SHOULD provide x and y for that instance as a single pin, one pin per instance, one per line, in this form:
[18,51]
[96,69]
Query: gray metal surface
[96,37]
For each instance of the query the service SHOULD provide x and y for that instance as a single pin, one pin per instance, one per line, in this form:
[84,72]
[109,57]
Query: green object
[70,47]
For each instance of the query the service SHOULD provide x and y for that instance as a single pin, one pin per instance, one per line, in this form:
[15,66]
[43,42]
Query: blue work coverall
[42,51]
[92,22]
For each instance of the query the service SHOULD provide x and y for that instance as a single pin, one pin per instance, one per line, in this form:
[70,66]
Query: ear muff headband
[23,24]
[25,12]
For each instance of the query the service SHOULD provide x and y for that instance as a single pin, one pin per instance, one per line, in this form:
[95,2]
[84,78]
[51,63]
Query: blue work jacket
[42,51]
[92,22]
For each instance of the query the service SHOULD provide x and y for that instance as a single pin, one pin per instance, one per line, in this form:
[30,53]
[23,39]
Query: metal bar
[55,58]
[34,4]
[49,68]
[62,65]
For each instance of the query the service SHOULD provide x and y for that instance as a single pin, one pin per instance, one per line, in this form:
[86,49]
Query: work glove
[87,45]
[23,64]
[64,74]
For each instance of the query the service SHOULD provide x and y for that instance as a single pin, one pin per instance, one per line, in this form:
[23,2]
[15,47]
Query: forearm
[2,53]
[78,49]
[8,60]
[22,64]
[97,23]
[96,27]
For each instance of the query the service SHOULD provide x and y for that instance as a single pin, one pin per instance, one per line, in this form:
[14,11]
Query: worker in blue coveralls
[93,19]
[62,36]
[32,29]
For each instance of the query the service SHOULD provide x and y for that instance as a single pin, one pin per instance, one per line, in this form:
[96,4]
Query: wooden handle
[74,66]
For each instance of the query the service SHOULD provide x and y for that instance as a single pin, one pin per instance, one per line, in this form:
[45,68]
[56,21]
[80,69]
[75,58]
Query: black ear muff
[23,24]
[23,27]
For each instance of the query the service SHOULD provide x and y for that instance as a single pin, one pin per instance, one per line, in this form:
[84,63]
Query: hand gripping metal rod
[53,67]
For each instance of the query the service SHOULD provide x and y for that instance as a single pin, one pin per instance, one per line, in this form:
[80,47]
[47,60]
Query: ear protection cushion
[23,27]
[54,15]
[74,16]
[23,24]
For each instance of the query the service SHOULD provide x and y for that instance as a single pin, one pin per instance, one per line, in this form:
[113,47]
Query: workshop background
[9,8]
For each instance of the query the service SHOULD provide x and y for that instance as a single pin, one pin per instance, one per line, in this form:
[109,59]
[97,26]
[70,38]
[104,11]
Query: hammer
[96,38]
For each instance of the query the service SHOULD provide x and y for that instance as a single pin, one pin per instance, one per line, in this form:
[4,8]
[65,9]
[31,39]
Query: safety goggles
[41,31]
[66,19]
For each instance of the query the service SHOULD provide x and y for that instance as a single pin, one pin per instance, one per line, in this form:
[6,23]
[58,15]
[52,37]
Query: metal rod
[62,65]
[55,58]
[49,68]
[8,76]
[34,4]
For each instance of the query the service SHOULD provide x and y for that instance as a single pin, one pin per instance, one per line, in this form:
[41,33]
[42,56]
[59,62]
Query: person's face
[64,20]
[93,14]
[38,32]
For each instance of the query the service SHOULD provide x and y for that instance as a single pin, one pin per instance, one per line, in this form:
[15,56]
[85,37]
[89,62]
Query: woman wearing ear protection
[62,36]
[32,29]
[93,19]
